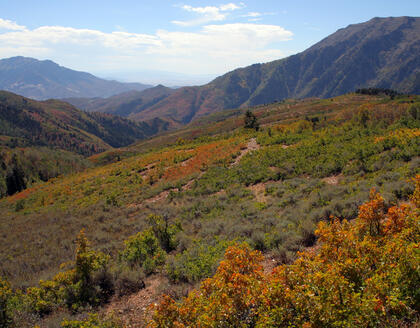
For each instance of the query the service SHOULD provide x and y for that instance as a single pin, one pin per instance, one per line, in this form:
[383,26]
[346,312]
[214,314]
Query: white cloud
[51,35]
[252,14]
[208,14]
[229,7]
[221,47]
[9,25]
[214,49]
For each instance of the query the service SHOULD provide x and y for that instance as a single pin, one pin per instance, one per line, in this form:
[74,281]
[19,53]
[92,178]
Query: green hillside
[180,199]
[29,127]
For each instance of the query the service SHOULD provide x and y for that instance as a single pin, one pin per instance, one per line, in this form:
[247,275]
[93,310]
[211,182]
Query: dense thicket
[378,91]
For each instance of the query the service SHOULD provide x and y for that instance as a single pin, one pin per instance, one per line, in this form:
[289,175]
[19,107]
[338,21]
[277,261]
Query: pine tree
[251,121]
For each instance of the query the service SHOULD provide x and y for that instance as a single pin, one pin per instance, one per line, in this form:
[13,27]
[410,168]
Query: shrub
[363,274]
[5,296]
[226,300]
[197,262]
[20,205]
[93,321]
[129,281]
[75,287]
[251,121]
[164,231]
[143,250]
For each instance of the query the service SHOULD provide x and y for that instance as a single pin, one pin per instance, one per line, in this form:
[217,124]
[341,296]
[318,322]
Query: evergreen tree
[251,121]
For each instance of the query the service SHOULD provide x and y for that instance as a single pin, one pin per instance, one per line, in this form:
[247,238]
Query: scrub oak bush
[199,261]
[5,299]
[76,287]
[143,250]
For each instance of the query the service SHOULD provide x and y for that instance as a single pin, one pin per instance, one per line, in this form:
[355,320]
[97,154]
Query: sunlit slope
[309,160]
[382,52]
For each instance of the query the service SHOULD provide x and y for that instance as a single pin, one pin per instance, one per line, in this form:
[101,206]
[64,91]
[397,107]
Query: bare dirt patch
[134,310]
[333,180]
[159,197]
[269,263]
[189,184]
[252,145]
[185,163]
[259,191]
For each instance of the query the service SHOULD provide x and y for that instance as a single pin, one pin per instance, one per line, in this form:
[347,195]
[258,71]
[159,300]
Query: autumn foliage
[363,273]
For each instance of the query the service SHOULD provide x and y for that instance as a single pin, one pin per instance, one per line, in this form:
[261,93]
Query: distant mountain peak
[382,52]
[43,79]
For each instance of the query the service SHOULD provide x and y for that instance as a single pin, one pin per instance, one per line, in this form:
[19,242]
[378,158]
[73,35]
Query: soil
[333,180]
[135,310]
[252,145]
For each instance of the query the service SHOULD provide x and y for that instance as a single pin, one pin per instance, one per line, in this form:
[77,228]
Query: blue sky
[176,42]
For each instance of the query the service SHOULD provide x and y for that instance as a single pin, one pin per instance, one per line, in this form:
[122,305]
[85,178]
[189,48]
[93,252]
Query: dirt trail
[133,309]
[146,170]
[252,145]
[159,197]
[333,180]
[269,263]
[259,191]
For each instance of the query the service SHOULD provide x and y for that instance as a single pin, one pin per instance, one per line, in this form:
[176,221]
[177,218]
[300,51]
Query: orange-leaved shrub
[364,273]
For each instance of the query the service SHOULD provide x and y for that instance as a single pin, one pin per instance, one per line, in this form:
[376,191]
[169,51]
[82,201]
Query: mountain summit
[383,52]
[45,79]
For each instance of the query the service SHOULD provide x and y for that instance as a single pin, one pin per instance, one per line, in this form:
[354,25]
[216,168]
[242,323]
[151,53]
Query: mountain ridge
[46,79]
[126,104]
[382,52]
[57,124]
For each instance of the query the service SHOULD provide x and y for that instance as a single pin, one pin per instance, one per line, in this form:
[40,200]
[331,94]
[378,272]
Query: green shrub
[128,281]
[5,296]
[195,263]
[164,231]
[251,121]
[143,250]
[75,287]
[93,321]
[20,205]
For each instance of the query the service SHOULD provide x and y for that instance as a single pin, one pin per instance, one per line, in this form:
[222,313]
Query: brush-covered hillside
[382,52]
[126,104]
[156,218]
[40,140]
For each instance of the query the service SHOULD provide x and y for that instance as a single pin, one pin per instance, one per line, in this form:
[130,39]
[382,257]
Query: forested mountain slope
[383,52]
[65,130]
